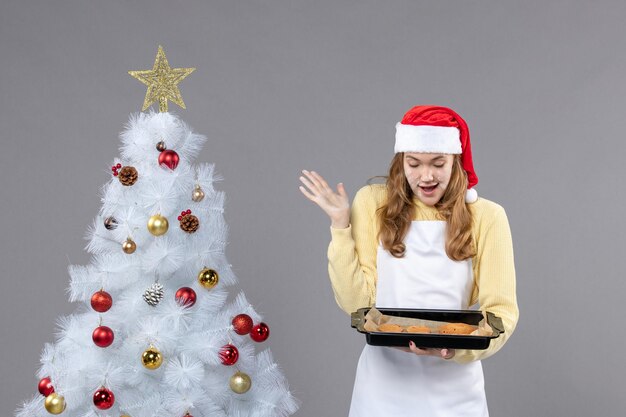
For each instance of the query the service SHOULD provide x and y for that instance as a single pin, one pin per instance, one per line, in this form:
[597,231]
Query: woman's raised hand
[335,204]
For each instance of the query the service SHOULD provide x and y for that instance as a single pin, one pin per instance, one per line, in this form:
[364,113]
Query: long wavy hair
[396,214]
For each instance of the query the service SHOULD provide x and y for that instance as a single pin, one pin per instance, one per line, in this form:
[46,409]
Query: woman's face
[428,175]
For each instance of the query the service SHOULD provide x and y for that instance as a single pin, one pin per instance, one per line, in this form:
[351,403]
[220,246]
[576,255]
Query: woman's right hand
[335,204]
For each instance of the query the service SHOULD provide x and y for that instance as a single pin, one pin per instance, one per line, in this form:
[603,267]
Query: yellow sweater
[352,261]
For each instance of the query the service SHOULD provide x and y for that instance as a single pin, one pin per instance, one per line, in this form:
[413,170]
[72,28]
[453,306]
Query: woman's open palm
[335,204]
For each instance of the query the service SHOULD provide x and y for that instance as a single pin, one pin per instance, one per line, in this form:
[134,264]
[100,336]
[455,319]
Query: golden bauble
[55,403]
[208,278]
[240,382]
[129,246]
[152,358]
[157,225]
[197,194]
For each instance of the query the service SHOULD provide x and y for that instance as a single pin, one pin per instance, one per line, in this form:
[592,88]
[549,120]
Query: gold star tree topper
[162,82]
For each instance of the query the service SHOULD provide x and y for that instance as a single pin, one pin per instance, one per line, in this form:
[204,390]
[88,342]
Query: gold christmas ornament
[129,246]
[197,195]
[161,146]
[208,278]
[240,382]
[151,358]
[162,82]
[55,403]
[158,225]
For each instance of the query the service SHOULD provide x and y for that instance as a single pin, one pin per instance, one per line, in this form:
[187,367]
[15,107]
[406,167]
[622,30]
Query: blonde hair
[396,214]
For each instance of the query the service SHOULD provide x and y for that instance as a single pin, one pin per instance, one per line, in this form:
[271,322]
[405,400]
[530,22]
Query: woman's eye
[439,166]
[413,166]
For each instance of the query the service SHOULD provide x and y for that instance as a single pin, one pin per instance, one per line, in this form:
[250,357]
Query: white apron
[390,382]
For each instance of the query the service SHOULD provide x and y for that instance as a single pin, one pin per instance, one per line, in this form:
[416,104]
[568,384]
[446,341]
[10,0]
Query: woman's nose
[427,175]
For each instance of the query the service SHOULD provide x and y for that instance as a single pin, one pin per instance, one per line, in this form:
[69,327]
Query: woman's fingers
[447,353]
[416,350]
[335,204]
[320,188]
[442,353]
[320,181]
[307,194]
[342,190]
[313,180]
[310,184]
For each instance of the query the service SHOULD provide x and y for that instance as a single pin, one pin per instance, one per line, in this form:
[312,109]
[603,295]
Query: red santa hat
[436,129]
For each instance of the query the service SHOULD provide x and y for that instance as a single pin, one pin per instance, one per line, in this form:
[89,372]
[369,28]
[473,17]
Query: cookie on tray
[418,329]
[390,328]
[456,328]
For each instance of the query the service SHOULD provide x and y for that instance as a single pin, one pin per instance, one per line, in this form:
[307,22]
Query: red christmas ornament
[242,324]
[103,336]
[45,386]
[169,158]
[229,355]
[101,301]
[260,332]
[103,399]
[186,296]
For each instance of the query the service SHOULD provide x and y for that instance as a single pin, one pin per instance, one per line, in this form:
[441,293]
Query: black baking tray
[450,341]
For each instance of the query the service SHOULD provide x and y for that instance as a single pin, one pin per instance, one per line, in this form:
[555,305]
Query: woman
[422,240]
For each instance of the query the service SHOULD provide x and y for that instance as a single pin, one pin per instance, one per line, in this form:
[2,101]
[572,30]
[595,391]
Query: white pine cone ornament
[154,294]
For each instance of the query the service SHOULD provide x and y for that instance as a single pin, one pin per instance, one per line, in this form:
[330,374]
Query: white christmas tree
[155,332]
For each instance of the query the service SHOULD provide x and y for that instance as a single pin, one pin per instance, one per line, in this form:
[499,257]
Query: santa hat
[436,129]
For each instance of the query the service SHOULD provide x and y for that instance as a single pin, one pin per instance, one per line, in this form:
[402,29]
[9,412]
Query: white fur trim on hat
[427,139]
[471,196]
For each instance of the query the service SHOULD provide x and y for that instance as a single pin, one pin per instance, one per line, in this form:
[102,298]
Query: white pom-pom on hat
[471,196]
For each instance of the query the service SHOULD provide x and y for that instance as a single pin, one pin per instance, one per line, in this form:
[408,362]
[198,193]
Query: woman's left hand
[444,353]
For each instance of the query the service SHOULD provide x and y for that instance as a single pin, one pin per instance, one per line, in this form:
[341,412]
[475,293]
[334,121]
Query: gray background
[286,85]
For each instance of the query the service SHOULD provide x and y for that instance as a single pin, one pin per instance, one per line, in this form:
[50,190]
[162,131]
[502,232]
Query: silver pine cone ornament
[154,294]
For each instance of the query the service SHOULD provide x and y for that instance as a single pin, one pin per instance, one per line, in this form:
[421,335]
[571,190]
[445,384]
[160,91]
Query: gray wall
[286,85]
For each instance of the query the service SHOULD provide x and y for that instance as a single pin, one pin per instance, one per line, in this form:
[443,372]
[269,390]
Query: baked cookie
[390,328]
[456,328]
[418,329]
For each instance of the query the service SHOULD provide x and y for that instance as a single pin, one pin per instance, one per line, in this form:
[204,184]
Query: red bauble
[229,355]
[169,158]
[260,332]
[45,386]
[103,399]
[186,296]
[101,301]
[103,336]
[242,324]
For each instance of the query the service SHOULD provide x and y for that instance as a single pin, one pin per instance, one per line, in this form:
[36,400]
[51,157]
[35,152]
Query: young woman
[422,240]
